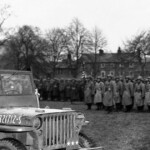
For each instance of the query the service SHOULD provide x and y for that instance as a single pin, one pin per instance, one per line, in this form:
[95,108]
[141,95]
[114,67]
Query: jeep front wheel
[85,142]
[11,144]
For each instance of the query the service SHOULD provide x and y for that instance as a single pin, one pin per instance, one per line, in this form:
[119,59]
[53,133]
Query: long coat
[139,94]
[127,93]
[109,93]
[117,95]
[99,89]
[88,92]
[147,94]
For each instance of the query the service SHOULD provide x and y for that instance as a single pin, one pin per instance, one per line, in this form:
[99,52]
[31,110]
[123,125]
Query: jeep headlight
[37,123]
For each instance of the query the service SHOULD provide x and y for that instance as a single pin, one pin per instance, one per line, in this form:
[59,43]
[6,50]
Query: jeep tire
[85,142]
[11,144]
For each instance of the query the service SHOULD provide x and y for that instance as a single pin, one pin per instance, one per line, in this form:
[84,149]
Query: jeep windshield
[15,84]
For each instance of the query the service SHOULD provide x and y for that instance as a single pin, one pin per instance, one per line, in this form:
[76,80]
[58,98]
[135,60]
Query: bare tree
[58,45]
[27,50]
[139,47]
[97,42]
[4,15]
[79,39]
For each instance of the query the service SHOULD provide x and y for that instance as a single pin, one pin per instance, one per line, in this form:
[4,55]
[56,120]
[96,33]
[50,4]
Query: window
[102,65]
[103,74]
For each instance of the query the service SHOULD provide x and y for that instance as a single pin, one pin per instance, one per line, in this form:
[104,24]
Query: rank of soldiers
[110,93]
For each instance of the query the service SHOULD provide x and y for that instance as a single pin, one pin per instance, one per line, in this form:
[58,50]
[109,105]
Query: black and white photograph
[74,74]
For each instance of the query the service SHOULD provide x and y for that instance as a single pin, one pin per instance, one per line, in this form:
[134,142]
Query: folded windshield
[14,84]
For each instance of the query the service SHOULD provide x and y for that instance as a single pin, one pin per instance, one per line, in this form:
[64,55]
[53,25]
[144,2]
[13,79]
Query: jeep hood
[30,111]
[18,101]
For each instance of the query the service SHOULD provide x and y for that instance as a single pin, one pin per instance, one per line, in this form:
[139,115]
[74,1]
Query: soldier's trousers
[128,108]
[140,108]
[89,105]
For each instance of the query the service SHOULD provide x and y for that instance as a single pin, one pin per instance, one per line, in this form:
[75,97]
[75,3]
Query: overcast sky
[118,19]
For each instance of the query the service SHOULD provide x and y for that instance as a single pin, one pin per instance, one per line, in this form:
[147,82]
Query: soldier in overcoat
[127,94]
[118,94]
[99,91]
[109,90]
[139,94]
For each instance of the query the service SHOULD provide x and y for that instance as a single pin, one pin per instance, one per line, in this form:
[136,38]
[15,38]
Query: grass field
[116,131]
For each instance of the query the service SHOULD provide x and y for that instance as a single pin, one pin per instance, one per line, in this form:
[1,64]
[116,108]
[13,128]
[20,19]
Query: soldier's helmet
[121,78]
[139,78]
[128,77]
[146,80]
[117,78]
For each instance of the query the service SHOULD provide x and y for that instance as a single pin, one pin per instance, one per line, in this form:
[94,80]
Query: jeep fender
[26,135]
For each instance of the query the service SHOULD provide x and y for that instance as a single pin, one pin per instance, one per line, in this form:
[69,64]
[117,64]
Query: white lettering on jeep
[10,119]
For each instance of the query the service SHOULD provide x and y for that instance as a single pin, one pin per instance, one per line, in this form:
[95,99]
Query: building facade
[103,64]
[115,64]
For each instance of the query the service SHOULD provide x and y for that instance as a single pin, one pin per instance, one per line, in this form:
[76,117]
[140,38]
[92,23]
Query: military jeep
[26,126]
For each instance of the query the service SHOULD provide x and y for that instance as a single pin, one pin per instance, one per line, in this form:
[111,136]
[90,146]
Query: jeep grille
[57,128]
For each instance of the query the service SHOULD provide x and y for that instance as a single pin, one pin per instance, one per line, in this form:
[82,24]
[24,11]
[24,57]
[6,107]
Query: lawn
[116,131]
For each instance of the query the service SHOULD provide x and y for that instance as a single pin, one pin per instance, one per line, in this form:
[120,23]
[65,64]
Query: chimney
[119,50]
[101,52]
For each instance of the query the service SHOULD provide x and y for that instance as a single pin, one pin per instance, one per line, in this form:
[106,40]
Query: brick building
[102,64]
[116,64]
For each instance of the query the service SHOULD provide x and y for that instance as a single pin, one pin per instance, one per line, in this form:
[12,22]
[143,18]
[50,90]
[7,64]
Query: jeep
[26,126]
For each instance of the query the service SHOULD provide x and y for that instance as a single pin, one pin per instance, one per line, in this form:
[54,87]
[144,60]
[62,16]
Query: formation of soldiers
[61,89]
[118,94]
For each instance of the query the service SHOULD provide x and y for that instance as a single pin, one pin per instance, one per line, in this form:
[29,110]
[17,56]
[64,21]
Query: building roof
[108,57]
